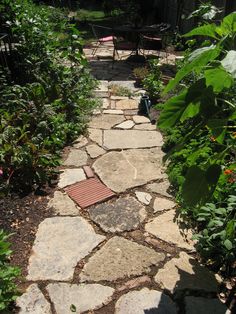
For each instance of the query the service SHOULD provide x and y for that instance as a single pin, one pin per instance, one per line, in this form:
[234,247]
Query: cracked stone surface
[119,258]
[122,139]
[83,297]
[141,119]
[96,136]
[145,301]
[123,214]
[80,142]
[94,150]
[61,242]
[165,227]
[127,104]
[123,170]
[162,204]
[33,301]
[76,158]
[198,305]
[145,126]
[186,273]
[160,187]
[71,176]
[143,197]
[63,205]
[125,125]
[106,121]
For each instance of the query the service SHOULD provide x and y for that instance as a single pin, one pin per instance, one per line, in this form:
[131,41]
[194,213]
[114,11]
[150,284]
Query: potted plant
[139,75]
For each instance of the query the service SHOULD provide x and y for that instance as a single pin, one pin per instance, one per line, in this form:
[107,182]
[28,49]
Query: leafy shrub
[8,292]
[48,103]
[117,90]
[152,82]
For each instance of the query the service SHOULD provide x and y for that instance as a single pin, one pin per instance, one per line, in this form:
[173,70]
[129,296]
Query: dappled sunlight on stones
[145,301]
[61,242]
[83,297]
[125,125]
[123,170]
[123,214]
[71,176]
[120,258]
[186,273]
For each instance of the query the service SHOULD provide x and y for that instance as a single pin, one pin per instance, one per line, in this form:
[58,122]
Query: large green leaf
[218,78]
[229,63]
[218,128]
[204,30]
[173,110]
[191,111]
[199,184]
[228,25]
[204,57]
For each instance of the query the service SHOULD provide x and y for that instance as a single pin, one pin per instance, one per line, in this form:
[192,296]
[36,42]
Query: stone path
[127,254]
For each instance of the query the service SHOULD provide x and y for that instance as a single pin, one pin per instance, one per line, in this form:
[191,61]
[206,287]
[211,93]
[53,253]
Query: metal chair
[121,43]
[103,36]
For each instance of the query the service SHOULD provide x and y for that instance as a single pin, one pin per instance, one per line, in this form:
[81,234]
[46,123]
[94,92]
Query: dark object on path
[145,109]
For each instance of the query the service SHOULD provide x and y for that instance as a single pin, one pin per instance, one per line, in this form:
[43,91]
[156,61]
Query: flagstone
[113,111]
[160,187]
[145,126]
[185,272]
[120,258]
[143,197]
[128,124]
[96,135]
[80,142]
[127,104]
[165,227]
[70,176]
[76,158]
[63,205]
[105,103]
[123,214]
[122,139]
[141,119]
[94,150]
[33,301]
[145,301]
[127,169]
[81,297]
[61,242]
[106,121]
[162,204]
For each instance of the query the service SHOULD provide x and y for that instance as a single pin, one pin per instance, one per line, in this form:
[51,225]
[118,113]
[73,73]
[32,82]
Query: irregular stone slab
[97,111]
[106,121]
[186,273]
[71,176]
[198,305]
[114,139]
[145,301]
[123,170]
[102,90]
[111,111]
[94,150]
[63,205]
[120,258]
[96,136]
[141,119]
[133,283]
[127,84]
[80,142]
[127,104]
[125,125]
[143,197]
[160,187]
[165,227]
[105,103]
[83,297]
[162,204]
[33,301]
[145,126]
[76,158]
[123,214]
[61,242]
[118,97]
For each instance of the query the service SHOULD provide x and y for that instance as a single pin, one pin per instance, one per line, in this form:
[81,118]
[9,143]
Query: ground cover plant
[47,101]
[199,123]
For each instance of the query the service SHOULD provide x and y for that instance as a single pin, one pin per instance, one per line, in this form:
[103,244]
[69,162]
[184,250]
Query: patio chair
[120,43]
[103,36]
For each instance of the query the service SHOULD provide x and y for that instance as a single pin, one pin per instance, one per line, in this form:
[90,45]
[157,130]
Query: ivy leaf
[205,30]
[172,111]
[229,63]
[201,58]
[219,79]
[228,244]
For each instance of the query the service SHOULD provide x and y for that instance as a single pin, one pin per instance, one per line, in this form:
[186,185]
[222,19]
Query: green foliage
[152,82]
[8,292]
[118,90]
[49,102]
[199,122]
